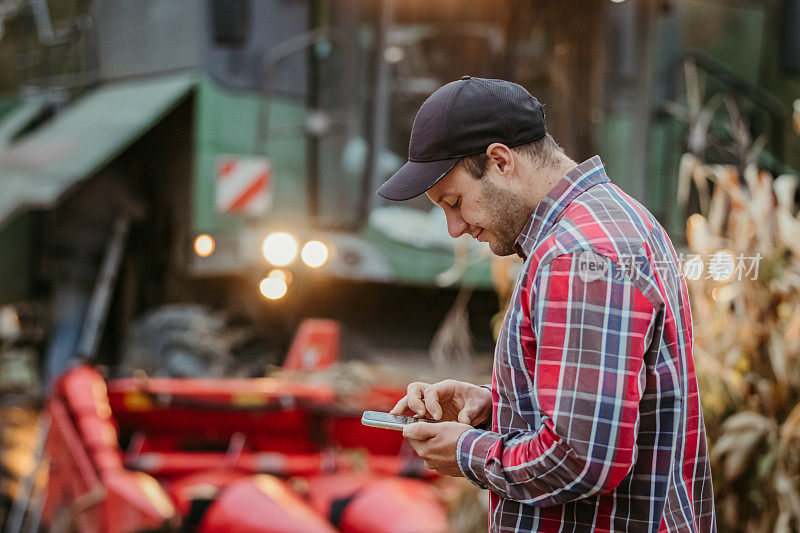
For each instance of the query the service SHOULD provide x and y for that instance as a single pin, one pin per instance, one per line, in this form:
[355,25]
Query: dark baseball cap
[461,119]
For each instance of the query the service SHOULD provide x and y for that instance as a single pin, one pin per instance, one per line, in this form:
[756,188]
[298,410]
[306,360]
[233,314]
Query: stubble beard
[508,214]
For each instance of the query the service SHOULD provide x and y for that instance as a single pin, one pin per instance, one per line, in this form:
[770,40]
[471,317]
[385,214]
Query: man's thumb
[417,431]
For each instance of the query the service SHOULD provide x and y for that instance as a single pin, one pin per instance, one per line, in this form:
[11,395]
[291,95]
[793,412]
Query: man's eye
[458,203]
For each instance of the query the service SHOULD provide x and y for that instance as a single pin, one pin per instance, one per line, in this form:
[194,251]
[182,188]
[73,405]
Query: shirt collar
[576,181]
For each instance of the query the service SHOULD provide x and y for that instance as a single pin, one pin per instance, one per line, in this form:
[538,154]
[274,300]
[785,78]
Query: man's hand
[448,400]
[436,443]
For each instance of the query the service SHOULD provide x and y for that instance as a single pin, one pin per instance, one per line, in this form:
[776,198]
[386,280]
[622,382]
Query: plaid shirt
[596,415]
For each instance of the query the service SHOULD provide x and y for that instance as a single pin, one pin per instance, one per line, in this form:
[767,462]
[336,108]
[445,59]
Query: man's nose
[456,226]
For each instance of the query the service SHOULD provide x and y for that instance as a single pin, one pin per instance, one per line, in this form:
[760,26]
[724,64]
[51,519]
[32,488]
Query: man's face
[483,208]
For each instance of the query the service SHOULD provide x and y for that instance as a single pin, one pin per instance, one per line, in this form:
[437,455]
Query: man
[595,416]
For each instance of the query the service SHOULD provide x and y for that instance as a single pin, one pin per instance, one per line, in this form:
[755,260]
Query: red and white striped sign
[244,185]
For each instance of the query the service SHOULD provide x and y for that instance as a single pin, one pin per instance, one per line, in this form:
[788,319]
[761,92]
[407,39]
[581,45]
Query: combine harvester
[225,153]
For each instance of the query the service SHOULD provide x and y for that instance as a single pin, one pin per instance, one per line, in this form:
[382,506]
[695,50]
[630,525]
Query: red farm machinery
[231,455]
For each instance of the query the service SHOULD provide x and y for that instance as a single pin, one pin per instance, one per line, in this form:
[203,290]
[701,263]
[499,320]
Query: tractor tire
[179,341]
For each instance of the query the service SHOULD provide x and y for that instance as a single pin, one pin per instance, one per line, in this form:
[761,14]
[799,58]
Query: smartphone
[377,419]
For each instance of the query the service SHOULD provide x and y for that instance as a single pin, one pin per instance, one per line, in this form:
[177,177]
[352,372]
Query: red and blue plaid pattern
[596,415]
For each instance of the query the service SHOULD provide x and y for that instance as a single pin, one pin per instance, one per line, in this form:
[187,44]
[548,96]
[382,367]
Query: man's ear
[502,157]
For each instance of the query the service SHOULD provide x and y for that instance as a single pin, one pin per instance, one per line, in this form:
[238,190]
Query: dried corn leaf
[778,357]
[699,175]
[685,172]
[785,187]
[790,498]
[747,421]
[718,207]
[742,455]
[791,427]
[784,523]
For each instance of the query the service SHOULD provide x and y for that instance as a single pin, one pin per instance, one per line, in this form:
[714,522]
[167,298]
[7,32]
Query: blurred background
[198,283]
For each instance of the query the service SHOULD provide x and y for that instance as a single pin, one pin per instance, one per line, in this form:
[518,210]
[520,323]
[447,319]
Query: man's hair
[542,153]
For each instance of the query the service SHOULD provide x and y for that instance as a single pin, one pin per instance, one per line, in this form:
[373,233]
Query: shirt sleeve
[592,329]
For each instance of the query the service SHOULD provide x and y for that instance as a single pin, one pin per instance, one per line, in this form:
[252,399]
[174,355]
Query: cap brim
[414,178]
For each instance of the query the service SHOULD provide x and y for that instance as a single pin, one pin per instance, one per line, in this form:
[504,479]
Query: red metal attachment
[315,346]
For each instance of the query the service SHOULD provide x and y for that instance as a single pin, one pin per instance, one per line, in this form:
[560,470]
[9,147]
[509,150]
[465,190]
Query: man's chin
[501,249]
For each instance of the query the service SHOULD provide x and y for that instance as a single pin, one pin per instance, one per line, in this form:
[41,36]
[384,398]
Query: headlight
[204,245]
[285,275]
[314,254]
[280,249]
[273,288]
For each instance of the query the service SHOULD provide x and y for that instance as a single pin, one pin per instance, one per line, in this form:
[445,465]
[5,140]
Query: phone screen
[377,419]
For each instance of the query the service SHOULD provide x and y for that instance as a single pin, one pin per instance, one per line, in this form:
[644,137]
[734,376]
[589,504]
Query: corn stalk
[746,325]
